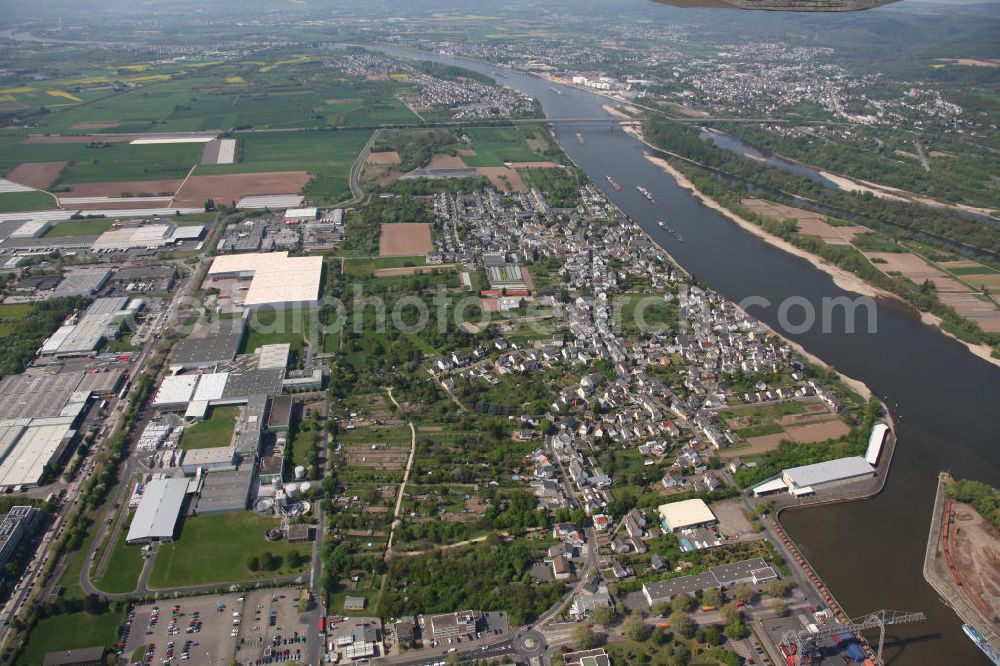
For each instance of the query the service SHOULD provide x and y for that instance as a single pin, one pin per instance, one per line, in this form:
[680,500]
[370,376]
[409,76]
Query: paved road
[590,559]
[131,466]
[354,178]
[314,644]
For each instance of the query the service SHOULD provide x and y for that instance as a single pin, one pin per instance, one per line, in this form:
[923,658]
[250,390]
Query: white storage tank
[300,472]
[291,489]
[304,487]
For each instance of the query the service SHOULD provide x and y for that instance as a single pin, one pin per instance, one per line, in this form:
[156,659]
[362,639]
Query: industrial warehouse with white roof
[39,416]
[686,514]
[156,516]
[809,479]
[275,278]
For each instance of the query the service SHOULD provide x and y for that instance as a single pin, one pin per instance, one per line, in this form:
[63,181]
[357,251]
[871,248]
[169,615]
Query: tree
[336,562]
[297,559]
[711,597]
[601,615]
[583,637]
[735,630]
[744,593]
[253,563]
[94,605]
[730,612]
[681,624]
[270,561]
[778,607]
[730,658]
[659,608]
[682,654]
[682,603]
[711,635]
[776,588]
[634,628]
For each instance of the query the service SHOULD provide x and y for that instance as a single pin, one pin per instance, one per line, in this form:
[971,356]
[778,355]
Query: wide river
[944,399]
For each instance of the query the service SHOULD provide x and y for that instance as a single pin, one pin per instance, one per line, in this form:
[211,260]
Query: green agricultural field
[78,228]
[216,430]
[139,110]
[16,202]
[217,549]
[972,270]
[496,145]
[211,96]
[326,155]
[121,161]
[68,632]
[95,163]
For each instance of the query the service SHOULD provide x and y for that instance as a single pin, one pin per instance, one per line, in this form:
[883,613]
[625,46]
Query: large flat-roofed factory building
[40,412]
[102,320]
[156,516]
[810,479]
[82,282]
[687,514]
[208,349]
[276,280]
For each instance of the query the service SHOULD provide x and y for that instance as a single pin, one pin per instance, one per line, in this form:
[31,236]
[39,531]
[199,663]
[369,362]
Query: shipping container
[855,652]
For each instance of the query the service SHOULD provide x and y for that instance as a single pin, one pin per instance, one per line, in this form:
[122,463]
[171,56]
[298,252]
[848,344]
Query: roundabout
[529,644]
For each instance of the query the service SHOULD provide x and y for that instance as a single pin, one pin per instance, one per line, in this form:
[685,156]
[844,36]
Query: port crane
[805,641]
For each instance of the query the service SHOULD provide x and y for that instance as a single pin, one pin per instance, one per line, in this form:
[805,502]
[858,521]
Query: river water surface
[944,399]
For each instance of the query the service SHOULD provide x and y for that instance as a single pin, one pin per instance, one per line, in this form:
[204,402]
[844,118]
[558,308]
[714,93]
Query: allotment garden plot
[764,426]
[377,449]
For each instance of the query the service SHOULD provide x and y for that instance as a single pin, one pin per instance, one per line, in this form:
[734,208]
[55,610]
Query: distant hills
[783,5]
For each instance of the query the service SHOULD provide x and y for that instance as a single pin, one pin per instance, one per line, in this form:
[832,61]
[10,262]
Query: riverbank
[936,568]
[856,385]
[842,278]
[893,193]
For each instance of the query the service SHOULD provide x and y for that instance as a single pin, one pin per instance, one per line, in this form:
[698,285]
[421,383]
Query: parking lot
[213,630]
[270,631]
